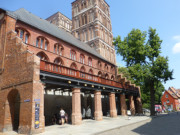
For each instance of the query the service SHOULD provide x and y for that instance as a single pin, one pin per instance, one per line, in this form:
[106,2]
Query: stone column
[112,102]
[76,107]
[98,106]
[139,105]
[123,104]
[132,106]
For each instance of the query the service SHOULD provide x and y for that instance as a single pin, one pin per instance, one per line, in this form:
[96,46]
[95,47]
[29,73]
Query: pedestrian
[62,115]
[129,114]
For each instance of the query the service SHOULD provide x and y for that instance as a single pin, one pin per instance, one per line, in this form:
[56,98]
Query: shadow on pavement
[164,124]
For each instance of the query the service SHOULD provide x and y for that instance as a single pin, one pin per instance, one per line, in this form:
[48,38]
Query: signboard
[37,109]
[27,100]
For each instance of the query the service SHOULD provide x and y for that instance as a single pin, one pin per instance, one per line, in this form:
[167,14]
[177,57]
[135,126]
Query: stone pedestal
[123,105]
[76,107]
[98,106]
[132,107]
[112,102]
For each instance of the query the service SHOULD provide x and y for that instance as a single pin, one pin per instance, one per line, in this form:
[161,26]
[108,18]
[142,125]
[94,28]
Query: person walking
[62,115]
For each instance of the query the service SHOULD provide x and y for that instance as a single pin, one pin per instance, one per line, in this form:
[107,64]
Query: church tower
[91,24]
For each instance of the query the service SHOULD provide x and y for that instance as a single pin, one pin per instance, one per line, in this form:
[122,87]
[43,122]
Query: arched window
[100,74]
[90,74]
[112,77]
[72,55]
[99,64]
[58,61]
[106,67]
[42,42]
[106,76]
[58,49]
[90,61]
[82,72]
[23,34]
[82,59]
[43,56]
[73,69]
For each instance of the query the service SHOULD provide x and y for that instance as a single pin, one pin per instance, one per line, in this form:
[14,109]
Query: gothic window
[106,76]
[99,65]
[58,49]
[73,67]
[26,38]
[58,61]
[72,55]
[82,58]
[42,43]
[43,56]
[112,77]
[37,42]
[90,61]
[106,67]
[90,74]
[46,45]
[100,74]
[82,73]
[23,34]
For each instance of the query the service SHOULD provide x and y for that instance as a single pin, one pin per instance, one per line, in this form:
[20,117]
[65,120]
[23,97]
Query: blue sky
[164,15]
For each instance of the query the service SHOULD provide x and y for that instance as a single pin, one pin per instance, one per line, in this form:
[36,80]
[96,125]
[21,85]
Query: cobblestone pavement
[163,125]
[90,127]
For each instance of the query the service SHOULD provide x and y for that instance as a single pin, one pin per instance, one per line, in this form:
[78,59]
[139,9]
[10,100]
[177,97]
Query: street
[161,125]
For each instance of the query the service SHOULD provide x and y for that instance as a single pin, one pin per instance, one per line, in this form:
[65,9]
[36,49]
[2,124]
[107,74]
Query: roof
[44,25]
[175,93]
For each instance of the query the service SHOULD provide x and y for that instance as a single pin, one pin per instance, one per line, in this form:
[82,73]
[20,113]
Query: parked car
[146,110]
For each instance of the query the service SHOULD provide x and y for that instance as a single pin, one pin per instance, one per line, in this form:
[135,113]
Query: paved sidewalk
[89,127]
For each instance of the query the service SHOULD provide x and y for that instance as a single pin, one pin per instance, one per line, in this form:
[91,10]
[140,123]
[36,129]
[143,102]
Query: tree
[144,62]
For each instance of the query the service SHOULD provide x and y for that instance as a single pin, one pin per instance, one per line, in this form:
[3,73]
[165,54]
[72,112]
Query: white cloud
[177,37]
[176,48]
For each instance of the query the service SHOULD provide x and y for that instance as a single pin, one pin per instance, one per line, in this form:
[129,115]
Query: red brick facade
[22,90]
[171,99]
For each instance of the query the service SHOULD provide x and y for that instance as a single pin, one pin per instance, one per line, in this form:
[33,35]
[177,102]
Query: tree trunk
[152,92]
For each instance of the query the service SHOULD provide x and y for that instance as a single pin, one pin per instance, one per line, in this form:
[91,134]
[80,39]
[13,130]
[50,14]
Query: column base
[76,119]
[113,113]
[28,130]
[133,112]
[123,112]
[98,116]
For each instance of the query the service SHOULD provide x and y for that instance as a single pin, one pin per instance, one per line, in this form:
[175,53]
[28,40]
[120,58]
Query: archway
[14,108]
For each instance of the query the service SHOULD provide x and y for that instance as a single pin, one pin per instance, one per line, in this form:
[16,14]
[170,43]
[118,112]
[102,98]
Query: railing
[66,71]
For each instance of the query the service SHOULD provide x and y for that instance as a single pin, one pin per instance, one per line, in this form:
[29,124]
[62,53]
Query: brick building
[44,67]
[171,99]
[91,23]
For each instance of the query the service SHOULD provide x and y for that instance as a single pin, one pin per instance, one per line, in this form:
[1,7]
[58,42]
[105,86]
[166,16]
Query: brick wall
[20,76]
[34,33]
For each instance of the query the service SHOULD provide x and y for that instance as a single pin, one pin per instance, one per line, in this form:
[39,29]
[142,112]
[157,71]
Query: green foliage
[145,65]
